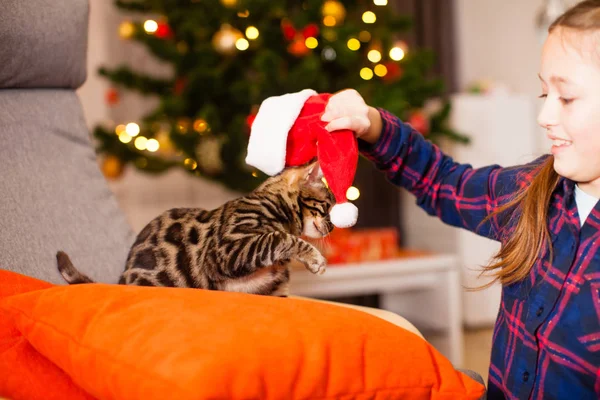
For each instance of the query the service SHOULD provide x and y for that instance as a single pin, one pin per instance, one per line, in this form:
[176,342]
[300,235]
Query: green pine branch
[124,76]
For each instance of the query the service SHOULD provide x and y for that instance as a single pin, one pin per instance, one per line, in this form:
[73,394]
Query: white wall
[497,40]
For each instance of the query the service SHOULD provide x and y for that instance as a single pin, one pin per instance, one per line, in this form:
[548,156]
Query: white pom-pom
[343,215]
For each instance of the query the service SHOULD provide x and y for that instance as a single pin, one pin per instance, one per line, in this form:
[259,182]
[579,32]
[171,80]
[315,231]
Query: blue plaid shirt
[546,342]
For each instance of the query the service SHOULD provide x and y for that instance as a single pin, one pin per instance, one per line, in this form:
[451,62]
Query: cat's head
[313,197]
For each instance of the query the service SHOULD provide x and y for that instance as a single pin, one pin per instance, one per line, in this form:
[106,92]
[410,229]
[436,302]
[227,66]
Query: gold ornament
[183,125]
[224,41]
[190,164]
[200,125]
[112,167]
[334,9]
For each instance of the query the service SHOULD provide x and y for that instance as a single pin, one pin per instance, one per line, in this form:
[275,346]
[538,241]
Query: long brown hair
[531,237]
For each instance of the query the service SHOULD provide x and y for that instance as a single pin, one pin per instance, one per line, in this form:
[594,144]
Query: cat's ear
[313,174]
[307,174]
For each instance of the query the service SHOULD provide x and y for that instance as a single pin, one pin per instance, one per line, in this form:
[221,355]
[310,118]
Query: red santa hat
[288,132]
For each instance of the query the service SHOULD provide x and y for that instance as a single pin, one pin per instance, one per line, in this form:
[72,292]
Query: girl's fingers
[327,116]
[358,124]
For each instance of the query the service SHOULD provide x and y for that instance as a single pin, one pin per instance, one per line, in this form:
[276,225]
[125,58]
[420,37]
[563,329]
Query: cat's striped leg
[276,248]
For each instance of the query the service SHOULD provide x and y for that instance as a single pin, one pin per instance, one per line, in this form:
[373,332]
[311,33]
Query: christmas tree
[227,56]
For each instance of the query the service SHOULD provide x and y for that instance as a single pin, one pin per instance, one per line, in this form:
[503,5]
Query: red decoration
[112,97]
[419,121]
[394,71]
[163,31]
[298,48]
[310,30]
[291,33]
[249,120]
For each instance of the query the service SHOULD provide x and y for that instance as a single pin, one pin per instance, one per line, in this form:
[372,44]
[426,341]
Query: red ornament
[249,121]
[180,84]
[298,48]
[289,32]
[112,97]
[310,30]
[394,71]
[419,121]
[251,117]
[163,31]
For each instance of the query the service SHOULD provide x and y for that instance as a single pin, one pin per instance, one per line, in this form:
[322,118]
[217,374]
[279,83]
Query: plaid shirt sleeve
[456,193]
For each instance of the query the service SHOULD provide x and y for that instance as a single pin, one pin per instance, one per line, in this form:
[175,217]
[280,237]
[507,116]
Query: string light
[329,20]
[380,2]
[120,129]
[242,44]
[124,137]
[150,26]
[380,70]
[374,56]
[329,54]
[152,145]
[396,53]
[126,29]
[140,143]
[366,73]
[352,193]
[255,174]
[353,44]
[369,17]
[243,14]
[229,3]
[251,32]
[132,129]
[311,42]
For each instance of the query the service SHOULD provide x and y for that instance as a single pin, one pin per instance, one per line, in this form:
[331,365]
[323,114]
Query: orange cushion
[155,343]
[25,373]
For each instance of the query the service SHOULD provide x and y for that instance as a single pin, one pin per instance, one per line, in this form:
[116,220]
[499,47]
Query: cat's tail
[68,271]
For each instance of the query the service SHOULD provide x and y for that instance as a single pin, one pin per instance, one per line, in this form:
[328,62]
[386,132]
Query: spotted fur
[242,246]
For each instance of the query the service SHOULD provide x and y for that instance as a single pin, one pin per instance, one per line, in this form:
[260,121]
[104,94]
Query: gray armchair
[52,193]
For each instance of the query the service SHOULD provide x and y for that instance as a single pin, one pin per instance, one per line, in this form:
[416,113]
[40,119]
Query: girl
[546,342]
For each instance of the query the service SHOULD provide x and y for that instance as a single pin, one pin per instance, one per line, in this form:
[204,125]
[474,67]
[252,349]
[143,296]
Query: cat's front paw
[318,265]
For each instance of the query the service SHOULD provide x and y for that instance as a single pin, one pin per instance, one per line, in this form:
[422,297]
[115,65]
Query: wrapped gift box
[353,246]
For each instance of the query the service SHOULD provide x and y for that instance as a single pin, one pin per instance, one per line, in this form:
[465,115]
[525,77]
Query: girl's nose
[549,114]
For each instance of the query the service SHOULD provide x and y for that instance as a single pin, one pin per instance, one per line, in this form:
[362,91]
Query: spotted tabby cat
[243,246]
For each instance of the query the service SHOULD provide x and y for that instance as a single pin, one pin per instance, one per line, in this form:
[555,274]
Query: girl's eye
[566,101]
[543,96]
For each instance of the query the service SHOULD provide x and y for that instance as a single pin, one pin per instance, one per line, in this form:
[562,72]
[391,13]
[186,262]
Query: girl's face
[570,77]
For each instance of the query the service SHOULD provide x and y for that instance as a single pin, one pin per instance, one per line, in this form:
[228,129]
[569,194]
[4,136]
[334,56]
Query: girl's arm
[457,193]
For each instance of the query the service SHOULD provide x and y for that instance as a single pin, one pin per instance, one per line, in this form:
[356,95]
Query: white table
[424,289]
